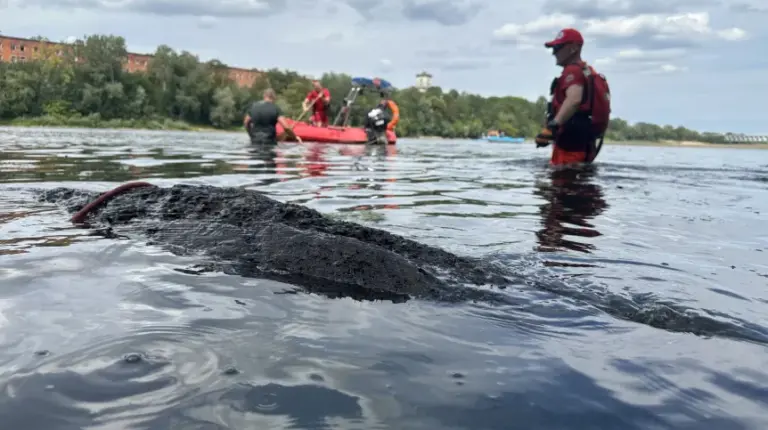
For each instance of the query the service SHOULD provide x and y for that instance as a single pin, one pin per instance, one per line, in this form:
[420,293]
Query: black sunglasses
[557,48]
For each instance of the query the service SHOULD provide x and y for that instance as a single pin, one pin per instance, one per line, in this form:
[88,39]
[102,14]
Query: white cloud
[654,30]
[670,68]
[683,26]
[756,6]
[586,9]
[531,32]
[231,8]
[643,61]
[635,55]
[639,54]
[732,34]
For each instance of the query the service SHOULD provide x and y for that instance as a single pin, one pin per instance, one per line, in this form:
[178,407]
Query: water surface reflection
[572,199]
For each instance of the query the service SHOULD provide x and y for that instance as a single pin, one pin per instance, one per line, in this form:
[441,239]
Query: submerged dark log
[250,234]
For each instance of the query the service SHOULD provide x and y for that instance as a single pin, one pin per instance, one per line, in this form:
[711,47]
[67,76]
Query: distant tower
[423,81]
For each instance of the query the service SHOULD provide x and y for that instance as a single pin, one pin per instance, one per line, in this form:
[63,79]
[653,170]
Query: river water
[626,260]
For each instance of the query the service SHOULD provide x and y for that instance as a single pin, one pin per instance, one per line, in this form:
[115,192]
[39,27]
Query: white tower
[423,81]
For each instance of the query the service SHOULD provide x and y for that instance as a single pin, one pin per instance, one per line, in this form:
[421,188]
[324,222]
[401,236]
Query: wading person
[579,110]
[261,120]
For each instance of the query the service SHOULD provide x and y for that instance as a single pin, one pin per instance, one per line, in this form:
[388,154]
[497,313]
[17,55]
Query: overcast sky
[698,63]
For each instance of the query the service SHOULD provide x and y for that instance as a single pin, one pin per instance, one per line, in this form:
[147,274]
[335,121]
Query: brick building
[19,49]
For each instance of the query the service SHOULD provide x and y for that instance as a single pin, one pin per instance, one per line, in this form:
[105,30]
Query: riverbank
[688,144]
[95,121]
[167,124]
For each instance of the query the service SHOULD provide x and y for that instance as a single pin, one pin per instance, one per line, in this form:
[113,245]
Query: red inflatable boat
[331,134]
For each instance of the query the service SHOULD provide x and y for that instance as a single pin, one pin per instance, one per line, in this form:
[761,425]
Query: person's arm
[575,82]
[326,95]
[395,115]
[308,99]
[247,117]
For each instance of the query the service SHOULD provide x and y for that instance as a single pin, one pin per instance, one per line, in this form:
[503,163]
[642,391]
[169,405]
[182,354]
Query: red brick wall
[14,49]
[137,62]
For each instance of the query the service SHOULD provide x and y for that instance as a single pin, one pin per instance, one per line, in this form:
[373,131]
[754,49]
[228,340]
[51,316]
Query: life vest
[595,101]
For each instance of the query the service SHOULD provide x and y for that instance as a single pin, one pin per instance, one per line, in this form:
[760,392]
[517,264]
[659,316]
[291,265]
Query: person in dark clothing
[261,119]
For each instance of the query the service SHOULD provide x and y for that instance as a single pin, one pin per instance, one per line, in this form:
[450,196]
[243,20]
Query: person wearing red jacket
[579,110]
[319,98]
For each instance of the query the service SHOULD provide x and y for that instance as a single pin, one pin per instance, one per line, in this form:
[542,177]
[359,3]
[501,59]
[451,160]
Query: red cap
[567,35]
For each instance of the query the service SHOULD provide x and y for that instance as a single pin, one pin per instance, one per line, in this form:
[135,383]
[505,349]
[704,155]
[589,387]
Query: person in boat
[261,120]
[384,117]
[320,99]
[578,115]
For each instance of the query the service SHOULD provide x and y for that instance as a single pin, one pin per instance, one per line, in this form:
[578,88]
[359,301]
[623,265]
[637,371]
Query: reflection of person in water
[314,162]
[385,153]
[280,159]
[571,198]
[268,155]
[316,155]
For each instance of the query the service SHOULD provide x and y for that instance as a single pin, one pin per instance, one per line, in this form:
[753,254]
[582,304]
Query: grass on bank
[96,121]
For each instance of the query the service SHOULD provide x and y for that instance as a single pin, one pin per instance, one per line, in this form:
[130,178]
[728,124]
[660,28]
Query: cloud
[732,34]
[648,30]
[639,43]
[533,32]
[743,7]
[461,58]
[680,30]
[643,61]
[368,9]
[586,9]
[198,8]
[458,63]
[445,12]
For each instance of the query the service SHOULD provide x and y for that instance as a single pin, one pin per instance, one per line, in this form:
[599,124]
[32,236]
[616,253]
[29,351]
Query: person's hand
[546,135]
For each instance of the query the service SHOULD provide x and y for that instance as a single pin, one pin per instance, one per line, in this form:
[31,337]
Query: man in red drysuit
[319,98]
[569,124]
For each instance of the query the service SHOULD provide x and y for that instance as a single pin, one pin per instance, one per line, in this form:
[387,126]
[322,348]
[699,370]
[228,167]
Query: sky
[701,64]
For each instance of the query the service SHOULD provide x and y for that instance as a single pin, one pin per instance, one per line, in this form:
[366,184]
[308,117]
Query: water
[114,334]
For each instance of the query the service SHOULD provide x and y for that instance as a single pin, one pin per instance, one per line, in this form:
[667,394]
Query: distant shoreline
[94,122]
[688,144]
[173,125]
[660,143]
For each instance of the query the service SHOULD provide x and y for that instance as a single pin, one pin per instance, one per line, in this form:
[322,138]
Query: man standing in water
[320,98]
[579,111]
[261,119]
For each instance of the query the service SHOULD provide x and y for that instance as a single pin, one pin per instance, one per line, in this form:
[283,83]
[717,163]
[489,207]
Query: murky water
[110,334]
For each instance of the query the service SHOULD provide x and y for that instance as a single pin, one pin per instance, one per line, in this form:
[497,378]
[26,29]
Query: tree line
[180,91]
